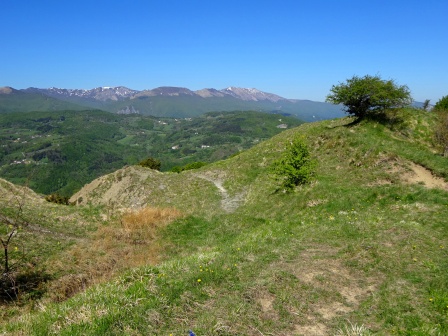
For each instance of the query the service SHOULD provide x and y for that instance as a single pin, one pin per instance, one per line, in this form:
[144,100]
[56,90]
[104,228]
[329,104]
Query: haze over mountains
[163,101]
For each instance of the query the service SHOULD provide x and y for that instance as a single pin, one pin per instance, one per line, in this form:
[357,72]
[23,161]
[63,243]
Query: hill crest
[220,177]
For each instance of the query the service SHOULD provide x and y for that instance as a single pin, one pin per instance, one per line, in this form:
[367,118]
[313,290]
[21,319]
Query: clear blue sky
[296,49]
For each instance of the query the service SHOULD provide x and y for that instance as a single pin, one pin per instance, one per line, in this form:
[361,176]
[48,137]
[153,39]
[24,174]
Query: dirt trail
[228,203]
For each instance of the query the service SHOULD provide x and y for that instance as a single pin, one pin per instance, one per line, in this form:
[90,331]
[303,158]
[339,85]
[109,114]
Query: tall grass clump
[351,329]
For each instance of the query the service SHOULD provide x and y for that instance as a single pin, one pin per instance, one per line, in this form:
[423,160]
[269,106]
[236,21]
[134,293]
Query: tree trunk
[6,260]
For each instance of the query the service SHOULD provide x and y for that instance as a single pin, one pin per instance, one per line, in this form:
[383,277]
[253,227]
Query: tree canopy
[369,96]
[442,104]
[151,163]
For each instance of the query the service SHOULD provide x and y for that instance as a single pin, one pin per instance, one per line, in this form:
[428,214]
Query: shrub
[194,165]
[189,166]
[150,163]
[58,199]
[176,169]
[441,132]
[295,167]
[442,104]
[27,283]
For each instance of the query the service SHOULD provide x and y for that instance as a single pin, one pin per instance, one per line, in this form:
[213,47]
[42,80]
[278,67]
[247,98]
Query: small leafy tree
[151,163]
[426,105]
[20,272]
[296,167]
[369,96]
[442,104]
[11,223]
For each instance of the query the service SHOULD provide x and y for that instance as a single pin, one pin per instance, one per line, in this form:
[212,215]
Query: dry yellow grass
[129,242]
[143,224]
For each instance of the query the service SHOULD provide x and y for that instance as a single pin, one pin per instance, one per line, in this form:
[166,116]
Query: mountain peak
[6,90]
[165,91]
[251,94]
[207,93]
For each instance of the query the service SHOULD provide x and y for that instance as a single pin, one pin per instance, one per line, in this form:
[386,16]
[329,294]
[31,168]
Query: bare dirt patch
[420,174]
[114,187]
[266,301]
[412,173]
[136,187]
[11,193]
[314,329]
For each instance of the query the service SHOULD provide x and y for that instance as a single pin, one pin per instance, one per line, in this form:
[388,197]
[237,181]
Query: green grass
[356,249]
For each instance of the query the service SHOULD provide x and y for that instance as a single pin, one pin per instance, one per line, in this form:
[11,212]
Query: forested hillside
[60,151]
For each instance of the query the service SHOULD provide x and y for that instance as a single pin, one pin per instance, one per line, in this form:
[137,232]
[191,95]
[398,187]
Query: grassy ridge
[358,248]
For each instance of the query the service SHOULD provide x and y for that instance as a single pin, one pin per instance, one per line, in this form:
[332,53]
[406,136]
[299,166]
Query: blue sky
[296,49]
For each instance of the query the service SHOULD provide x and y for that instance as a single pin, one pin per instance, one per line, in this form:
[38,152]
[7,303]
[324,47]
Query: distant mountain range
[163,101]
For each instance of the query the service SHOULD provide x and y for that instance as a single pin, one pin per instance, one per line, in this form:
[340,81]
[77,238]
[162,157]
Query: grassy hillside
[61,151]
[362,247]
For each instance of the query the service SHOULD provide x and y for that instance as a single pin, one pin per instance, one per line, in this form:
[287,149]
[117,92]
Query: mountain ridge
[166,101]
[99,93]
[104,93]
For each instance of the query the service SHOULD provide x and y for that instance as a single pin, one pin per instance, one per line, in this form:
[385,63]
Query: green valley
[61,151]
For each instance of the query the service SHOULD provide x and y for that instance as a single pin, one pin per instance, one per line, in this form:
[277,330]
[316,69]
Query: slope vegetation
[363,247]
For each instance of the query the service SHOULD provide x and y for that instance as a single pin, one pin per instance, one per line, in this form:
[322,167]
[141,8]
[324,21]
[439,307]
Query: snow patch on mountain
[106,93]
[100,93]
